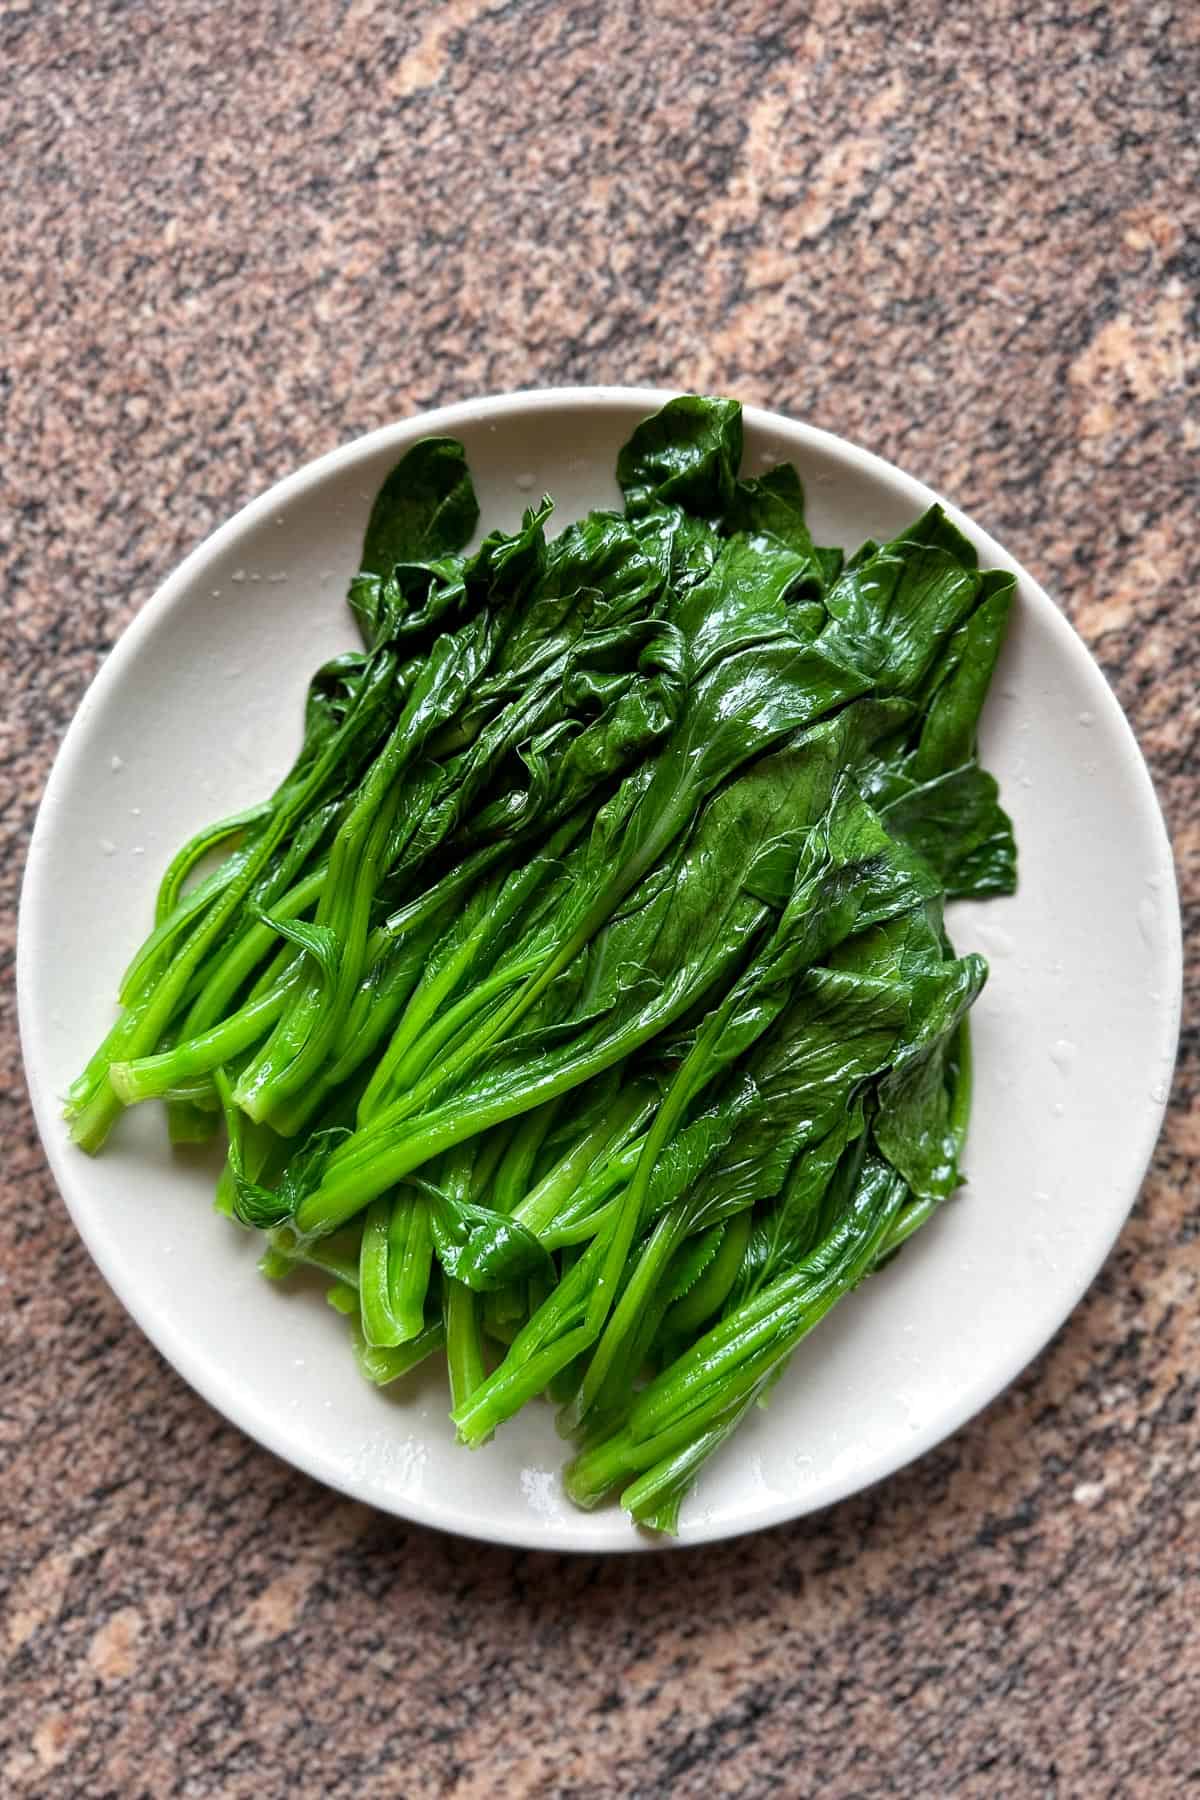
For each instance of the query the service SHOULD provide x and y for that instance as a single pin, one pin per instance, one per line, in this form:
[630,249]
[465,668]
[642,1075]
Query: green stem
[243,955]
[751,1338]
[150,957]
[442,898]
[205,841]
[148,1077]
[698,1067]
[654,1498]
[138,1032]
[382,1364]
[294,1054]
[478,1419]
[410,1263]
[385,989]
[571,1187]
[405,1072]
[358,1171]
[464,1345]
[593,1474]
[380,1327]
[702,1300]
[511,1180]
[555,1323]
[626,1314]
[489,1153]
[402,1063]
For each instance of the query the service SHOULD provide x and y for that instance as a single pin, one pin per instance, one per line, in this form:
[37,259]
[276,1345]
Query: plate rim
[174,591]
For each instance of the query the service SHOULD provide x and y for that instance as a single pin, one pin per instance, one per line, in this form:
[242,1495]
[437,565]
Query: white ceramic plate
[196,713]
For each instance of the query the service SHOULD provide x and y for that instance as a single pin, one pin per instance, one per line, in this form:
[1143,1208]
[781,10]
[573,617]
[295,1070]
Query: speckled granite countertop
[965,233]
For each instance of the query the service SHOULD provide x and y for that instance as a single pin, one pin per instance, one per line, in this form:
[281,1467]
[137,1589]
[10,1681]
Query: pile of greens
[581,1003]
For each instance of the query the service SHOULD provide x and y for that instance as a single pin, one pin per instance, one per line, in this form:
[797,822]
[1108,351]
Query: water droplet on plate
[1062,1054]
[117,764]
[525,482]
[238,575]
[108,847]
[1087,718]
[1159,1093]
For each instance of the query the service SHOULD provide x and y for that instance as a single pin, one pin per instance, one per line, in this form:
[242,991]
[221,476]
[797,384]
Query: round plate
[196,713]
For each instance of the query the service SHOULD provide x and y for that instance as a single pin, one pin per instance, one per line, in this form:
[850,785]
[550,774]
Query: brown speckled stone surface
[964,232]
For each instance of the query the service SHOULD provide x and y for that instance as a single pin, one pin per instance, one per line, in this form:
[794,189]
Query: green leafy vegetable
[580,1006]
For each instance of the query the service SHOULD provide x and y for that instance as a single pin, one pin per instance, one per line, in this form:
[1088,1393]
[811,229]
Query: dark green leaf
[686,455]
[425,509]
[682,548]
[483,1249]
[890,614]
[956,824]
[951,724]
[913,1127]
